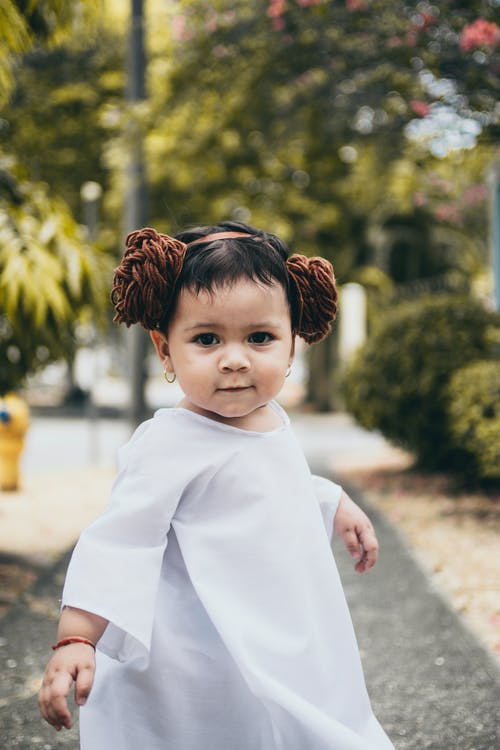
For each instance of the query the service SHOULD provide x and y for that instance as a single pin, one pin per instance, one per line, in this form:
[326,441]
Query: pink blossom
[180,29]
[394,41]
[439,183]
[475,194]
[481,33]
[353,5]
[212,23]
[429,19]
[419,199]
[411,38]
[220,50]
[276,8]
[449,213]
[423,21]
[422,109]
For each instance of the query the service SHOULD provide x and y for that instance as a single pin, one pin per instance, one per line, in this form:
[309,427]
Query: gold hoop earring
[166,374]
[287,373]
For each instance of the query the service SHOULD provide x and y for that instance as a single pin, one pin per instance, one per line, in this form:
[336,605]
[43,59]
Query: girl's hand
[72,663]
[353,526]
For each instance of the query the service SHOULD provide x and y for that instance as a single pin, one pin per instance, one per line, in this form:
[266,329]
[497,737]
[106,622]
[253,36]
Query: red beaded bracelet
[73,639]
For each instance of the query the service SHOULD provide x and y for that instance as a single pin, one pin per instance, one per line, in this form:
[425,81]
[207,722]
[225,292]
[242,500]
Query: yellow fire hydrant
[14,421]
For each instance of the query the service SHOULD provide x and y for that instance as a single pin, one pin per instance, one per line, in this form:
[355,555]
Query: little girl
[208,585]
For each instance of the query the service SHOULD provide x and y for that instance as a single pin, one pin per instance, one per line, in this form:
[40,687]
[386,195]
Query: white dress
[228,627]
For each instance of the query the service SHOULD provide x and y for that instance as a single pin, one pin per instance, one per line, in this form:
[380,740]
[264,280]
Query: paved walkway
[432,684]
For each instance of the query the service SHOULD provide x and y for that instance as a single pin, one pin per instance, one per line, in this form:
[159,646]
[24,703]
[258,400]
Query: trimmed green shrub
[474,415]
[398,381]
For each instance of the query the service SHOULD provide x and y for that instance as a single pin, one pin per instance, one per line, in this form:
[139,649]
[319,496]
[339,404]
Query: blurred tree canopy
[47,277]
[70,93]
[358,130]
[24,23]
[49,273]
[293,114]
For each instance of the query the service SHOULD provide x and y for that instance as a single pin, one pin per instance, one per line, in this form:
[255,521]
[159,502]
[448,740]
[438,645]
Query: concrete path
[432,684]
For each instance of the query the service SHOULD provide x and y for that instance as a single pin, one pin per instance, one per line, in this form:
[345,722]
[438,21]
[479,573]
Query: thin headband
[219,236]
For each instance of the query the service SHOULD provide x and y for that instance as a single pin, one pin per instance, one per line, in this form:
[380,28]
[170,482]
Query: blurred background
[363,131]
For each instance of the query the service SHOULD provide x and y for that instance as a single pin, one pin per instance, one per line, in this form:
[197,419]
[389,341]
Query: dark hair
[155,267]
[258,256]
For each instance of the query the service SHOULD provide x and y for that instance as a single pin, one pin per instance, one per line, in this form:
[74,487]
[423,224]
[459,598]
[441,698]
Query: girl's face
[230,350]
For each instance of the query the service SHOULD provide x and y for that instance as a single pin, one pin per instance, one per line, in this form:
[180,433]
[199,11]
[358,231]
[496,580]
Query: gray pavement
[431,682]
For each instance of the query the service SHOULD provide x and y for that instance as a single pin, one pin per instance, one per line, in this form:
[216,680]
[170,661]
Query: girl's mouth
[235,389]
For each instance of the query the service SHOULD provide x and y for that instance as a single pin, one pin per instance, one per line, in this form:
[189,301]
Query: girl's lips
[235,389]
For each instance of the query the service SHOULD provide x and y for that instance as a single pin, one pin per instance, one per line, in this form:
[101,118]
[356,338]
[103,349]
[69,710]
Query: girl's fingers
[83,684]
[352,543]
[53,703]
[369,544]
[362,545]
[76,663]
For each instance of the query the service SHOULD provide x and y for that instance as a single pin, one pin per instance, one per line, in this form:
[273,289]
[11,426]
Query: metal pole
[494,181]
[91,193]
[135,201]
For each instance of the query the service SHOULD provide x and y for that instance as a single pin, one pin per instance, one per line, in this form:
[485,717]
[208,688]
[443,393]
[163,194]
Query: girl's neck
[262,419]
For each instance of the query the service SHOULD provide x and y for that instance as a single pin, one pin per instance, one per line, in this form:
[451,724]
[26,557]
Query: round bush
[474,415]
[397,382]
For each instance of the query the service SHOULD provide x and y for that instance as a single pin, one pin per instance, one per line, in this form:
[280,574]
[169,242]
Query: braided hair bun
[144,282]
[317,296]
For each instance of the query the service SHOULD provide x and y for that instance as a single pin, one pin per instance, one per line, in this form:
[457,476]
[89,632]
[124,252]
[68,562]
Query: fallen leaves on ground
[454,533]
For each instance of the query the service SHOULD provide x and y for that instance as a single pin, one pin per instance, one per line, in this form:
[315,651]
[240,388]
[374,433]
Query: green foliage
[295,121]
[266,150]
[55,121]
[474,412]
[59,115]
[23,23]
[293,116]
[398,382]
[48,276]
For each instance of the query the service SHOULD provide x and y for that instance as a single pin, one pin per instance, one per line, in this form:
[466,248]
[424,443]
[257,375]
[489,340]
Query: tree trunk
[320,389]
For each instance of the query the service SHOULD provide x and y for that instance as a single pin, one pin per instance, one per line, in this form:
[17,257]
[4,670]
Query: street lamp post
[494,182]
[90,193]
[135,199]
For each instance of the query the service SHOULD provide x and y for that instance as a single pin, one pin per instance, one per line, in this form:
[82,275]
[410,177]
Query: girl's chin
[229,412]
[219,413]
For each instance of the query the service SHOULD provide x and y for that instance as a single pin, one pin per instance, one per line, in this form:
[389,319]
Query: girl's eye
[260,337]
[207,339]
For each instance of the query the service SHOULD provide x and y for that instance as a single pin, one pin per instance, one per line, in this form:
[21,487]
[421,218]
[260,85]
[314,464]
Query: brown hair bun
[317,295]
[144,282]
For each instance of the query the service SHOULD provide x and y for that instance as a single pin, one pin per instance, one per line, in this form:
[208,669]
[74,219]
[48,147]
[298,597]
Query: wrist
[73,639]
[81,624]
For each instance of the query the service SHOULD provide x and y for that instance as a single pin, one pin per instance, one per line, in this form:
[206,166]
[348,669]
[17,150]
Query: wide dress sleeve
[328,494]
[116,565]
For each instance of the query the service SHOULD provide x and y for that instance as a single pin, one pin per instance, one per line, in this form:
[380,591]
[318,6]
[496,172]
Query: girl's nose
[234,359]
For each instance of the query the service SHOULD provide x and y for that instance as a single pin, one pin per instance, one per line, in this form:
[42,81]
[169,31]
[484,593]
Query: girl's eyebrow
[259,326]
[201,325]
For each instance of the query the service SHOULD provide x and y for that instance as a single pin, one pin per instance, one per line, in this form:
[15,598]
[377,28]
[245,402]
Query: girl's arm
[354,527]
[74,662]
[350,523]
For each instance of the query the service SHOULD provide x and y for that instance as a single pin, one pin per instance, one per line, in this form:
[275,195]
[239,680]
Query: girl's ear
[162,349]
